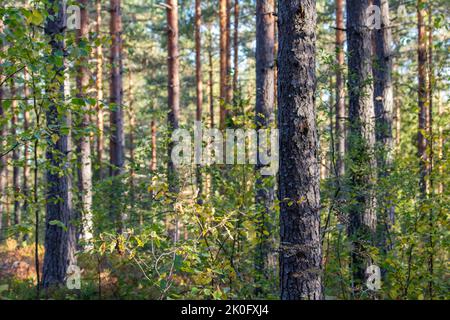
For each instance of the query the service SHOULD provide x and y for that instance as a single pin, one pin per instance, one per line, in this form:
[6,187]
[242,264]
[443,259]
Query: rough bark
[361,142]
[59,241]
[265,67]
[422,99]
[173,94]
[300,248]
[84,142]
[340,90]
[117,136]
[384,114]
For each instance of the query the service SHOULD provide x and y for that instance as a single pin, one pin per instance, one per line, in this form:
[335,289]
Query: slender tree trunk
[431,162]
[117,136]
[340,90]
[422,99]
[15,156]
[173,95]
[300,249]
[84,143]
[265,67]
[361,142]
[132,128]
[236,47]
[229,87]
[99,91]
[223,61]
[199,79]
[59,239]
[26,167]
[384,114]
[211,82]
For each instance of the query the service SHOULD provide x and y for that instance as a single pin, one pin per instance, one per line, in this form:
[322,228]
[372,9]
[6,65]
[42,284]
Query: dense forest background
[93,206]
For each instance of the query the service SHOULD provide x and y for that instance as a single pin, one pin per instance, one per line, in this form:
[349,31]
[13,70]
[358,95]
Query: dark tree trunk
[84,143]
[59,239]
[384,114]
[423,105]
[265,67]
[340,92]
[300,248]
[173,94]
[361,141]
[117,137]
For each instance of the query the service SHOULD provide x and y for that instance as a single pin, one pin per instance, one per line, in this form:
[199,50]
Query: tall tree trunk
[132,128]
[59,240]
[236,47]
[211,82]
[223,61]
[431,137]
[173,94]
[84,143]
[300,256]
[99,91]
[199,80]
[422,99]
[265,67]
[361,142]
[15,156]
[117,136]
[340,91]
[229,88]
[26,167]
[384,114]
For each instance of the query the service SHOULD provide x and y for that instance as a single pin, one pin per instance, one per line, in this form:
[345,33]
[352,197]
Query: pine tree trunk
[84,143]
[265,76]
[59,241]
[229,88]
[384,114]
[211,83]
[300,248]
[361,142]
[99,91]
[236,47]
[340,91]
[223,61]
[117,136]
[26,167]
[422,99]
[173,95]
[199,80]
